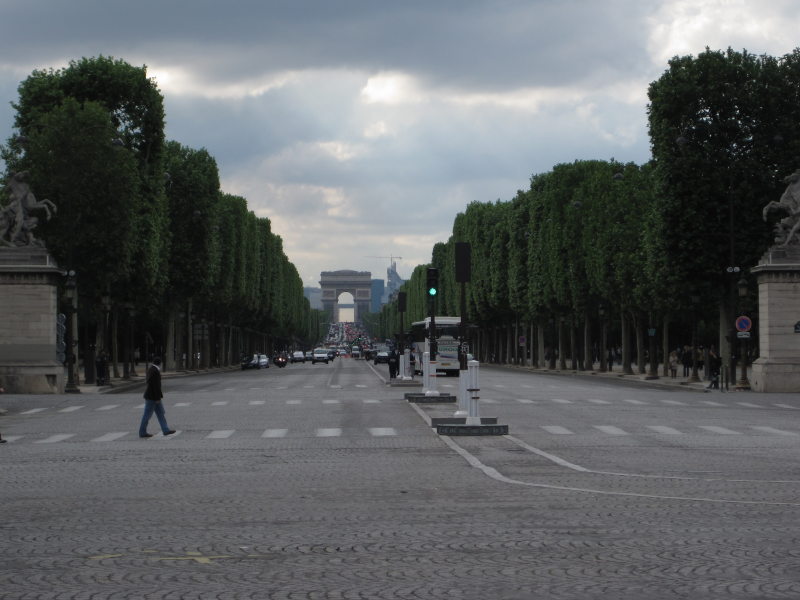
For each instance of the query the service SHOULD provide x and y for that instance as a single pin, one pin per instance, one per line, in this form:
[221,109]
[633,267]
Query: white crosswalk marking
[748,405]
[720,430]
[556,430]
[488,401]
[775,431]
[32,411]
[182,404]
[229,390]
[110,437]
[674,402]
[329,432]
[219,403]
[70,409]
[331,401]
[711,403]
[220,434]
[371,401]
[598,401]
[59,437]
[665,430]
[360,385]
[382,431]
[168,437]
[526,401]
[274,433]
[632,401]
[257,402]
[787,406]
[108,407]
[611,430]
[560,401]
[336,387]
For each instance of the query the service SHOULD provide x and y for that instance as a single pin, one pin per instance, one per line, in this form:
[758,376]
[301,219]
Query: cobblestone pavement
[321,482]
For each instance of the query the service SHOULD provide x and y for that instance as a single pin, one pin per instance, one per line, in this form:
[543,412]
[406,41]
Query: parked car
[309,355]
[320,355]
[250,362]
[298,356]
[257,361]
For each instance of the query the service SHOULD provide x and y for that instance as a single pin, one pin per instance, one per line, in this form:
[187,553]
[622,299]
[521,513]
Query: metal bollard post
[430,374]
[463,397]
[407,374]
[473,389]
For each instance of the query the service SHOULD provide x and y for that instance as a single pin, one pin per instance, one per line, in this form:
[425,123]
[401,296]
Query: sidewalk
[662,381]
[119,384]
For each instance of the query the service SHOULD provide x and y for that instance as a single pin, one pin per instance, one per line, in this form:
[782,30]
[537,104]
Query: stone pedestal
[778,367]
[28,312]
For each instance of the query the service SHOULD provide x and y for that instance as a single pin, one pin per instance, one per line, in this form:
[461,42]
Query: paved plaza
[320,481]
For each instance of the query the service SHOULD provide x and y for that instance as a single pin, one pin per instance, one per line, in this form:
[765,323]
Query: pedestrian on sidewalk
[393,364]
[152,401]
[673,364]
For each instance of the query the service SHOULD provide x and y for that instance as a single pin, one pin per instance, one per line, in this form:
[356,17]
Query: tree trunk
[626,344]
[588,354]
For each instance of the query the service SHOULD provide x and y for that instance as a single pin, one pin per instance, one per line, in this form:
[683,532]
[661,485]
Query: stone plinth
[28,312]
[778,367]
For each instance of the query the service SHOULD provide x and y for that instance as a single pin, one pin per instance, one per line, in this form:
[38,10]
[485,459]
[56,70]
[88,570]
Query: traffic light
[433,282]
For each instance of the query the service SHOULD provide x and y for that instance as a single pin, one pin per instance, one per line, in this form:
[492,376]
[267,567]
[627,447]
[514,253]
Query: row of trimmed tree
[599,255]
[158,248]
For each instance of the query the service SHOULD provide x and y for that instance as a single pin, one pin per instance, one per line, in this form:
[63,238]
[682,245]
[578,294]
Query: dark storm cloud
[489,45]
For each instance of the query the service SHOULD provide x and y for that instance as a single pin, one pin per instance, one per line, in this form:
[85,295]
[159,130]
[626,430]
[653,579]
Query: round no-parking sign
[743,323]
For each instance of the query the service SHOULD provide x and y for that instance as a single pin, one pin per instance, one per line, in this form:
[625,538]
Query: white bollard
[463,395]
[474,414]
[426,359]
[407,374]
[430,375]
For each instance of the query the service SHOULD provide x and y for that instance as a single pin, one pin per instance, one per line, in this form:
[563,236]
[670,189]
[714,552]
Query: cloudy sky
[362,127]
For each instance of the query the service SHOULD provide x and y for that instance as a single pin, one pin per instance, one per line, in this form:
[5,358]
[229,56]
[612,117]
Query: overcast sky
[362,127]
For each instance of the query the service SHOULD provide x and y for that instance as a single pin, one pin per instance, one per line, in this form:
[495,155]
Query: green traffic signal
[432,291]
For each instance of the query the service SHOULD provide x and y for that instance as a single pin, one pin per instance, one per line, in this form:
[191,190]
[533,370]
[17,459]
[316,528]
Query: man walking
[152,401]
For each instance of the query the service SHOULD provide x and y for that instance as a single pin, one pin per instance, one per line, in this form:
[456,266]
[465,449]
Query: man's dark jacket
[153,390]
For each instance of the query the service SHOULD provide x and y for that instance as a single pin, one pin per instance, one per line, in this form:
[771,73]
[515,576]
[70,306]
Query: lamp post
[693,378]
[601,310]
[69,309]
[103,375]
[743,383]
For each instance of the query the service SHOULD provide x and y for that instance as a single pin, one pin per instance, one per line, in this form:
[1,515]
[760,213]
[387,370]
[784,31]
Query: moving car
[381,357]
[320,355]
[263,361]
[298,356]
[257,361]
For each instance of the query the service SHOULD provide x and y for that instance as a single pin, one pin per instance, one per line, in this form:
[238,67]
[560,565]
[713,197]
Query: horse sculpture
[786,230]
[16,222]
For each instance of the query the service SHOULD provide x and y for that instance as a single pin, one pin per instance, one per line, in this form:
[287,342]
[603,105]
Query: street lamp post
[743,383]
[69,308]
[694,378]
[103,374]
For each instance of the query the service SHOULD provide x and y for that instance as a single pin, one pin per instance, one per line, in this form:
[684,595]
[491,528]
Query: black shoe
[170,432]
[145,435]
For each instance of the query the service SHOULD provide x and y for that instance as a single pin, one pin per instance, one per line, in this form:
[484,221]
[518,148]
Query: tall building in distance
[393,282]
[377,295]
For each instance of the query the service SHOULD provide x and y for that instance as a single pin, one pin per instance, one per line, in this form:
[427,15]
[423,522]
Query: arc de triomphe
[335,283]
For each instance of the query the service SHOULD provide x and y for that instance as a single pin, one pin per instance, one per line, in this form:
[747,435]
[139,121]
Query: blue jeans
[150,407]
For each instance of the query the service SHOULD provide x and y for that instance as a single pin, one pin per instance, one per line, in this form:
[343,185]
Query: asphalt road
[319,481]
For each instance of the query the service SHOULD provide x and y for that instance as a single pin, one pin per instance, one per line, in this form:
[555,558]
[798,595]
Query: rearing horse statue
[786,230]
[16,222]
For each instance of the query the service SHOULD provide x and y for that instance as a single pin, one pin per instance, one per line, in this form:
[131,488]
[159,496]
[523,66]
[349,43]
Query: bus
[447,330]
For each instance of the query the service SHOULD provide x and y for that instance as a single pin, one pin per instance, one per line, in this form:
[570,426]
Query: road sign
[743,323]
[743,334]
